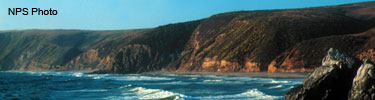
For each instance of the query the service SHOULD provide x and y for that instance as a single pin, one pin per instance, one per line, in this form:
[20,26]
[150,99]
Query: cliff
[151,51]
[289,40]
[123,51]
[277,40]
[52,49]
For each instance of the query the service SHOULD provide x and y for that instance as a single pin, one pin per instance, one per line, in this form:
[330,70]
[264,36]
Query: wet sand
[250,74]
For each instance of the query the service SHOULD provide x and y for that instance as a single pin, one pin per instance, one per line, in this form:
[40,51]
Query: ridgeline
[290,40]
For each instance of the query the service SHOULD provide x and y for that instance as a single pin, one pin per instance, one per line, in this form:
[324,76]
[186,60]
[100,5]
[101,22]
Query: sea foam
[250,94]
[156,94]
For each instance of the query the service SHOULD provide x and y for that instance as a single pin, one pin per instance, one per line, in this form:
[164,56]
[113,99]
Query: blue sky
[134,14]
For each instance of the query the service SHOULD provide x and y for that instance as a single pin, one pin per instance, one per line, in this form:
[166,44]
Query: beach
[243,74]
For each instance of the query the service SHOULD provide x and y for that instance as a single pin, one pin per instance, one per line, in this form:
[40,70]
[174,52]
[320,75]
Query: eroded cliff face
[153,50]
[275,40]
[89,61]
[123,51]
[304,55]
[56,49]
[134,59]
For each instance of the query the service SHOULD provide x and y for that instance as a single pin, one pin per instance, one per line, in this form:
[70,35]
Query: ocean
[80,86]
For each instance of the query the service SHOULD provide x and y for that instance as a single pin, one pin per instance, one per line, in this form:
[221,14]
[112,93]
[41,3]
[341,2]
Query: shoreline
[241,74]
[232,74]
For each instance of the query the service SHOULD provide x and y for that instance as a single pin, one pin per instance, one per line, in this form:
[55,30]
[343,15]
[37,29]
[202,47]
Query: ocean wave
[192,75]
[250,94]
[296,82]
[169,74]
[156,94]
[138,78]
[40,73]
[173,82]
[249,79]
[143,91]
[212,80]
[288,88]
[274,81]
[125,86]
[275,87]
[25,72]
[77,74]
[96,76]
[88,90]
[219,81]
[214,76]
[258,95]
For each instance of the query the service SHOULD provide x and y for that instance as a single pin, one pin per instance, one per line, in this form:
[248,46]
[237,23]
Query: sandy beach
[253,74]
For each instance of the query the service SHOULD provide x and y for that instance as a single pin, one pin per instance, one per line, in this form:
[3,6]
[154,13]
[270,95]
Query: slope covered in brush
[306,54]
[286,40]
[47,49]
[152,50]
[249,41]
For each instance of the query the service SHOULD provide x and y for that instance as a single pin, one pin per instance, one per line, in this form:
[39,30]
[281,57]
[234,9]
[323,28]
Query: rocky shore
[340,77]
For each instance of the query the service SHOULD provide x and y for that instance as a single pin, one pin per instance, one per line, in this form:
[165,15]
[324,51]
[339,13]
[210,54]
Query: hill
[264,40]
[287,40]
[49,49]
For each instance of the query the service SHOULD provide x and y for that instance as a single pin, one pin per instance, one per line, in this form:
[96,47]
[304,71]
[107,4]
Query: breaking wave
[274,81]
[88,90]
[138,78]
[162,86]
[277,86]
[212,80]
[156,94]
[250,94]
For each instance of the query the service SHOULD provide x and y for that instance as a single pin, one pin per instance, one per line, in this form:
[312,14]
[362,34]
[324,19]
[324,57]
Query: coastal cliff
[289,40]
[277,40]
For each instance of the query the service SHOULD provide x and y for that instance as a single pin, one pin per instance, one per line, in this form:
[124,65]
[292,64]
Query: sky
[134,14]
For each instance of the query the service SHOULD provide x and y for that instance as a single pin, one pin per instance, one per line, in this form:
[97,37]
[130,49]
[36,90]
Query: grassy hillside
[47,49]
[250,41]
[307,54]
[289,40]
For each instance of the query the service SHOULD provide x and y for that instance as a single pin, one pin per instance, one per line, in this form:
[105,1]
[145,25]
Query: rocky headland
[340,77]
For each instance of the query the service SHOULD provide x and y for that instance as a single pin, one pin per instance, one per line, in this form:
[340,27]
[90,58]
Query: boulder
[335,57]
[363,83]
[331,81]
[316,85]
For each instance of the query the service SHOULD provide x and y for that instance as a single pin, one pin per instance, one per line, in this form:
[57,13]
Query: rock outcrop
[335,57]
[364,83]
[337,79]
